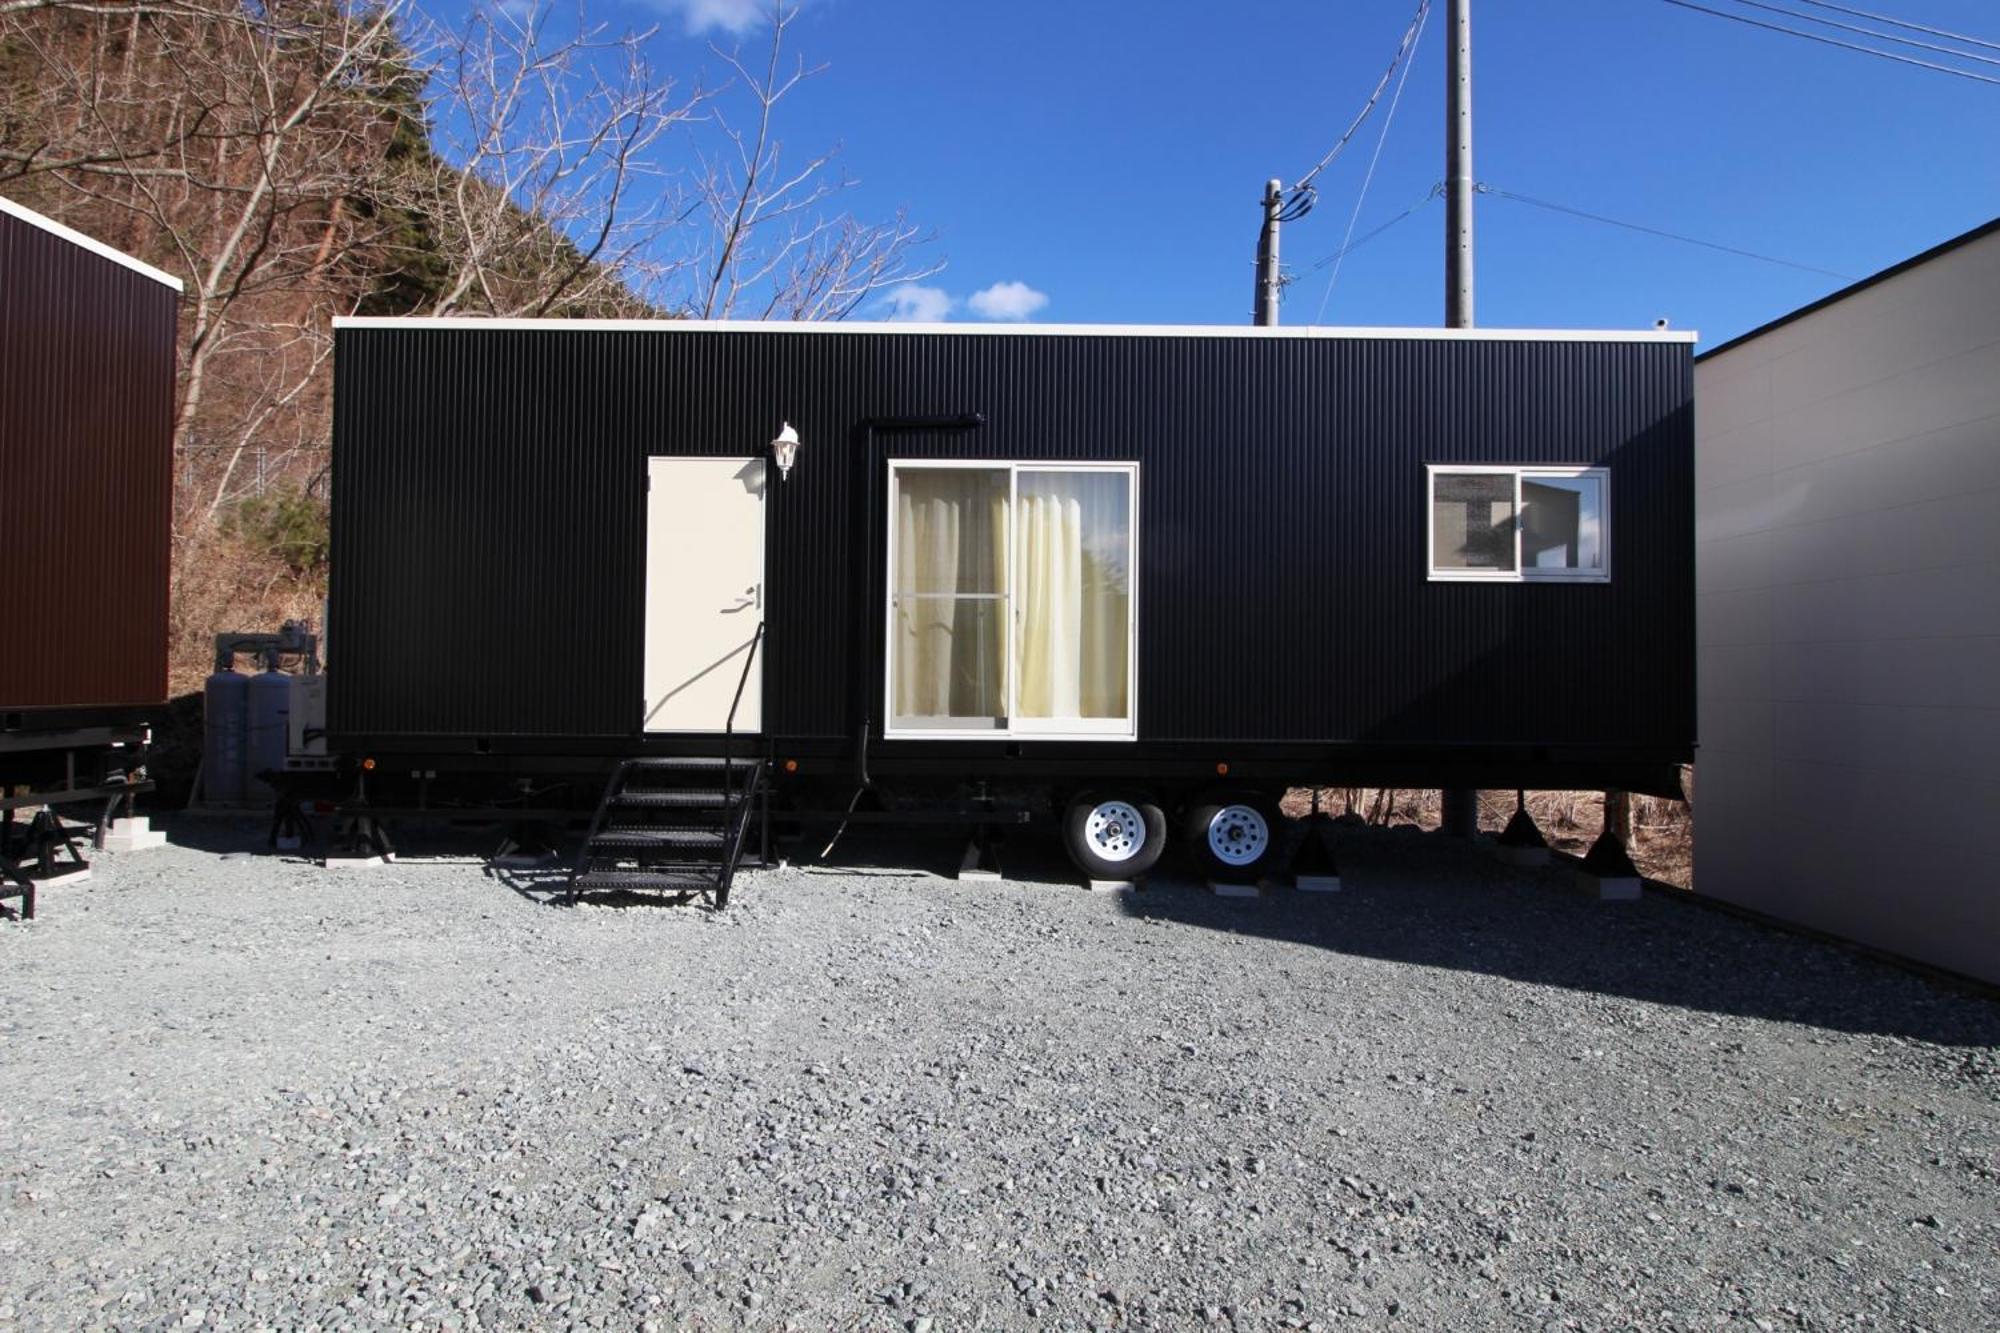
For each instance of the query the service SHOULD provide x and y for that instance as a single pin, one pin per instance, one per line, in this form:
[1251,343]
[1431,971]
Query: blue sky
[1109,156]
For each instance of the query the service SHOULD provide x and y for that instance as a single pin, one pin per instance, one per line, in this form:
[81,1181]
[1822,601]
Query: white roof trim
[474,324]
[77,238]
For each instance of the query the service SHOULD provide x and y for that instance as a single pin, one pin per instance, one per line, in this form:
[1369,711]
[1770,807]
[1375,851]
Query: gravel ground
[240,1091]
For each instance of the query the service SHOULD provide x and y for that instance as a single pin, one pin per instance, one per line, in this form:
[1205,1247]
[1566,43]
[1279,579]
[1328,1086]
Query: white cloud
[919,304]
[1007,300]
[732,16]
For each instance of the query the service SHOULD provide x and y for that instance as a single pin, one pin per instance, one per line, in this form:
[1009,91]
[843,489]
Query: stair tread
[698,797]
[712,836]
[641,879]
[611,859]
[683,761]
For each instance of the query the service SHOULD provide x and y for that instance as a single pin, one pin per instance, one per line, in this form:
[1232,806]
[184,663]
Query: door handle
[745,602]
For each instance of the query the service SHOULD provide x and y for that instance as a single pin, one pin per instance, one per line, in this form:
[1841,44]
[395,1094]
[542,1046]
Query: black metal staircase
[678,825]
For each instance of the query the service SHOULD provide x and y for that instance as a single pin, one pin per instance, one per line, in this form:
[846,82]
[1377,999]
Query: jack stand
[527,846]
[290,828]
[1314,867]
[45,838]
[14,882]
[365,844]
[1521,843]
[20,887]
[980,861]
[1607,872]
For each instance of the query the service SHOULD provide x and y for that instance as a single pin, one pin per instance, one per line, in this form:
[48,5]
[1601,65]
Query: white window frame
[1062,728]
[1519,573]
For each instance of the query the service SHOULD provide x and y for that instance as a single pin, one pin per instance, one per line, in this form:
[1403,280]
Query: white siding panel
[1742,616]
[1848,612]
[1739,724]
[1740,671]
[1948,674]
[1739,507]
[1740,453]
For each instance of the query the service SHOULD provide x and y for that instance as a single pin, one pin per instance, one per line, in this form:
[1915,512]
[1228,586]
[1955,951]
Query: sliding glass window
[1519,524]
[1012,607]
[948,599]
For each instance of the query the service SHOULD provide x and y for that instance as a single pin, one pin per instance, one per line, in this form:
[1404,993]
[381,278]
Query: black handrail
[733,850]
[729,727]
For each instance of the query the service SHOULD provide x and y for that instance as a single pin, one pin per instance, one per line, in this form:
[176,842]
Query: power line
[1904,23]
[1498,193]
[1402,52]
[1435,191]
[1870,32]
[1388,120]
[1834,41]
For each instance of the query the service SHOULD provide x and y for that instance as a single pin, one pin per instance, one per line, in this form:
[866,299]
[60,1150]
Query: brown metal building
[87,348]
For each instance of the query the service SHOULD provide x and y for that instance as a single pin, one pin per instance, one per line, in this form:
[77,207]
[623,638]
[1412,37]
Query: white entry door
[704,592]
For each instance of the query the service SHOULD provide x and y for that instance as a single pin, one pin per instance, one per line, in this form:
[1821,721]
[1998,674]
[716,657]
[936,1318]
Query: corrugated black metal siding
[87,350]
[489,507]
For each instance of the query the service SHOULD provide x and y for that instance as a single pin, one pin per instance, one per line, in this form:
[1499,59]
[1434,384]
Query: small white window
[1520,524]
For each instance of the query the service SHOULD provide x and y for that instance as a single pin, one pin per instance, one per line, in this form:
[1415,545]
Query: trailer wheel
[1114,835]
[1233,834]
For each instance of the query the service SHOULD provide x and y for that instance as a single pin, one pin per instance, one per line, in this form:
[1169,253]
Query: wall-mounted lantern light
[786,450]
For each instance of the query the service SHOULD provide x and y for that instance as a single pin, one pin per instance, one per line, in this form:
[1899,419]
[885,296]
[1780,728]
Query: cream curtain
[951,561]
[1071,603]
[1075,594]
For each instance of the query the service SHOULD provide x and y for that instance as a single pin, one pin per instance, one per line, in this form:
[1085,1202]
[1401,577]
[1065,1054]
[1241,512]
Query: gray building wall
[1847,473]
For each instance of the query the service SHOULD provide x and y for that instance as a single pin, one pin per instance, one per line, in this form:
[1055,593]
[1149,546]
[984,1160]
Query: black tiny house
[1070,559]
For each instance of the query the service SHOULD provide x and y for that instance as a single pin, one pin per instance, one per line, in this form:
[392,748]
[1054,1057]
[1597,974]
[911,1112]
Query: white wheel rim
[1238,835]
[1114,831]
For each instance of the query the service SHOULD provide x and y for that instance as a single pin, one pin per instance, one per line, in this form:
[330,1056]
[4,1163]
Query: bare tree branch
[778,241]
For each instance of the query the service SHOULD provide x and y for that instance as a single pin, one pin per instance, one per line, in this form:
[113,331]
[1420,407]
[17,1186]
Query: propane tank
[270,712]
[225,698]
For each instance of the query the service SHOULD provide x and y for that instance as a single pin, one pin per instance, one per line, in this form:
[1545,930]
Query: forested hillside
[292,160]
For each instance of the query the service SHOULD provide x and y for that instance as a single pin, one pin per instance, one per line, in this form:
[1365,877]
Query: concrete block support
[1610,888]
[132,835]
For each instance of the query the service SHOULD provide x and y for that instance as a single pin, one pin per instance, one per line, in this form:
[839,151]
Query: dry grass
[221,585]
[1662,830]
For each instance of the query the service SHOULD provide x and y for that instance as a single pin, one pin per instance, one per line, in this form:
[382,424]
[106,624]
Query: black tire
[1110,846]
[1233,835]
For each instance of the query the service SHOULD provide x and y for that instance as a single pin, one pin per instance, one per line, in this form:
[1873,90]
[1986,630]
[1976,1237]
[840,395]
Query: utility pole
[1265,307]
[1458,812]
[1458,182]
